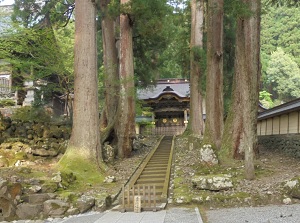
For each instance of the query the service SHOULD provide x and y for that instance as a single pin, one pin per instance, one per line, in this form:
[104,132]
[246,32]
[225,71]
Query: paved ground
[266,214]
[173,215]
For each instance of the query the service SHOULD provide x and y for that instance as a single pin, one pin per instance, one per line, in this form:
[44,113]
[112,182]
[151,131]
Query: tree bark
[85,136]
[240,136]
[111,75]
[214,80]
[126,110]
[195,125]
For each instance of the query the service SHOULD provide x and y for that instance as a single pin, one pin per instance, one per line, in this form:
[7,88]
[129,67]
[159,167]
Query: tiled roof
[181,89]
[280,109]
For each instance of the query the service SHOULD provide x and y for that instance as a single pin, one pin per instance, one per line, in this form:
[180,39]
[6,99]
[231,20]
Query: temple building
[169,102]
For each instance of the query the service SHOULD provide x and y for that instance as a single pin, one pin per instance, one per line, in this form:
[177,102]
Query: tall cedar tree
[85,137]
[111,75]
[197,15]
[214,80]
[126,110]
[240,138]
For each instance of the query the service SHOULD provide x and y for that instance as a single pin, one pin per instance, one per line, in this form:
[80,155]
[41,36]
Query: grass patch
[86,172]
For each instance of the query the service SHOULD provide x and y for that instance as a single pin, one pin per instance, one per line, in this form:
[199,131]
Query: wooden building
[280,120]
[169,102]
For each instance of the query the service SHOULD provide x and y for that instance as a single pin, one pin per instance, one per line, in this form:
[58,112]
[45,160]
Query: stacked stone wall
[288,144]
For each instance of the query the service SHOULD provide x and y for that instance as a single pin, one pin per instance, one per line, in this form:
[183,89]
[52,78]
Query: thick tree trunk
[240,137]
[126,109]
[214,80]
[196,121]
[85,136]
[111,75]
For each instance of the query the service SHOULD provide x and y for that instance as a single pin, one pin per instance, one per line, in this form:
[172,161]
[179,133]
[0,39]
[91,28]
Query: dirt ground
[273,169]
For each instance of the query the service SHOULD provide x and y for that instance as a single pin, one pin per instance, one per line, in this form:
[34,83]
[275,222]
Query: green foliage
[28,113]
[32,13]
[237,8]
[6,103]
[280,3]
[283,74]
[265,99]
[280,28]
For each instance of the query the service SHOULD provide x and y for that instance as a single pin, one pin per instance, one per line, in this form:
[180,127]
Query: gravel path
[267,214]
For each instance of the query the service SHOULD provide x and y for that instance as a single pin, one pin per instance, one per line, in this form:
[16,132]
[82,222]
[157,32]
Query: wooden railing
[166,130]
[139,197]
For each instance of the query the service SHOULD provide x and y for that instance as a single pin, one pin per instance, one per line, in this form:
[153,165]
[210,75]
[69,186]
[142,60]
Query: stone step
[150,180]
[156,168]
[145,175]
[154,172]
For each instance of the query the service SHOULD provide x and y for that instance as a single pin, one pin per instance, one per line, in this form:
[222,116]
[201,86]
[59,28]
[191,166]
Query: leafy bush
[6,102]
[28,113]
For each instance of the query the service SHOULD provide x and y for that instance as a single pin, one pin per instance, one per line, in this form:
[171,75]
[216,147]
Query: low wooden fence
[139,197]
[166,130]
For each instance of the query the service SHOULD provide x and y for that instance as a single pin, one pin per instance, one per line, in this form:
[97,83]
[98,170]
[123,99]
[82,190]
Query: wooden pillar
[185,118]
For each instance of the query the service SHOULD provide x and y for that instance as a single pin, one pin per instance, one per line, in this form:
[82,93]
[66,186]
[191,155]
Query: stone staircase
[151,181]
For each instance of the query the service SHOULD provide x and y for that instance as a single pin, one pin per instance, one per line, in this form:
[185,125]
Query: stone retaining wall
[40,139]
[288,144]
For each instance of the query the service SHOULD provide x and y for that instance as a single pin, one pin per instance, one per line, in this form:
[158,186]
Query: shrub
[28,113]
[6,103]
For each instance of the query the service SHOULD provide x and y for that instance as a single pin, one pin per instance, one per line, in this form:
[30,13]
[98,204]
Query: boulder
[110,179]
[208,156]
[6,145]
[49,187]
[212,182]
[39,198]
[72,211]
[85,203]
[7,208]
[44,152]
[292,188]
[7,204]
[29,211]
[109,153]
[55,208]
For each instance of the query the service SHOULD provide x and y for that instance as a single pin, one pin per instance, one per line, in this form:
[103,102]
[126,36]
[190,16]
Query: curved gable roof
[180,89]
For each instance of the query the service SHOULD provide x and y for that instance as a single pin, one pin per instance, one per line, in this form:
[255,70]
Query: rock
[55,208]
[39,198]
[7,204]
[49,187]
[29,211]
[57,177]
[44,152]
[179,200]
[72,211]
[110,179]
[287,201]
[109,153]
[197,199]
[208,156]
[6,146]
[34,189]
[212,182]
[15,190]
[85,203]
[7,208]
[292,187]
[55,132]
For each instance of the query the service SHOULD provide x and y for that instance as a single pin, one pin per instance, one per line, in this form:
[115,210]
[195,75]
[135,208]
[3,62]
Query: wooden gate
[146,195]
